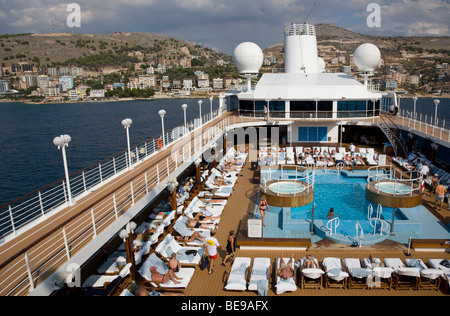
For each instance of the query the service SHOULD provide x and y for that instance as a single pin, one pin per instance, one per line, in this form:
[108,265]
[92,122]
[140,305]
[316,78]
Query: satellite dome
[367,57]
[321,63]
[248,58]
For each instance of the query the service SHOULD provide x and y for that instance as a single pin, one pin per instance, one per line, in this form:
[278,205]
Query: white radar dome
[367,57]
[248,58]
[321,64]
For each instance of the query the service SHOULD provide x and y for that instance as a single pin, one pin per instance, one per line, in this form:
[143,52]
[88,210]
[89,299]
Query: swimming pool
[285,187]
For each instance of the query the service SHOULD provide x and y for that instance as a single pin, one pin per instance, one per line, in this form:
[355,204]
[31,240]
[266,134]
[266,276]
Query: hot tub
[286,187]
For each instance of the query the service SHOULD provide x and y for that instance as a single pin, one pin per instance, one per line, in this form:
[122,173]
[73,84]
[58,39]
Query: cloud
[224,24]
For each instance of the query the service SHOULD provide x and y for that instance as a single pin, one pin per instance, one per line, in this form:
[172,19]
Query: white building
[97,93]
[218,84]
[203,81]
[188,85]
[68,81]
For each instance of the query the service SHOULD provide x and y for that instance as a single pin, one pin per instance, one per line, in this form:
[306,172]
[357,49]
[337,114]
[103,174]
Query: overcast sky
[223,24]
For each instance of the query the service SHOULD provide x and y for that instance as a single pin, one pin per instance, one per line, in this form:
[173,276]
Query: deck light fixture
[184,107]
[62,142]
[126,124]
[162,113]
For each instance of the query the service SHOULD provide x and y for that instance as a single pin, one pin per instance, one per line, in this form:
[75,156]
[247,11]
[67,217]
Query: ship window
[352,108]
[312,134]
[245,105]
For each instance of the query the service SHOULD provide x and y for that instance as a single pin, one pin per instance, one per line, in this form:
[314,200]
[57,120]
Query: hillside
[56,49]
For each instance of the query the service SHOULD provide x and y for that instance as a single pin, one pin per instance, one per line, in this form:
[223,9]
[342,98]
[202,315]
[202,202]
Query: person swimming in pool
[263,207]
[331,214]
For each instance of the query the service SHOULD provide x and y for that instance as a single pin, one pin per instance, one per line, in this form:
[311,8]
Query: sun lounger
[290,158]
[259,276]
[153,260]
[444,266]
[429,278]
[112,265]
[370,160]
[236,278]
[310,278]
[281,158]
[404,277]
[168,246]
[285,285]
[335,274]
[381,276]
[359,276]
[104,285]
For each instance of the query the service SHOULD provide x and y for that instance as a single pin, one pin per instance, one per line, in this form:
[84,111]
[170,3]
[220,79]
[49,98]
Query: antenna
[312,9]
[53,26]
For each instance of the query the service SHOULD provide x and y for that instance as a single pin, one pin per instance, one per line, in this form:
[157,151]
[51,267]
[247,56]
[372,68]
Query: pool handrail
[305,175]
[330,223]
[380,173]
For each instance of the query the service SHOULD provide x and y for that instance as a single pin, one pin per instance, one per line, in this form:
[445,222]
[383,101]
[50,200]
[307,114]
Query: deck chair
[404,277]
[153,260]
[285,285]
[282,158]
[168,246]
[290,158]
[444,266]
[180,228]
[358,276]
[310,278]
[237,276]
[381,276]
[259,276]
[429,278]
[335,274]
[104,285]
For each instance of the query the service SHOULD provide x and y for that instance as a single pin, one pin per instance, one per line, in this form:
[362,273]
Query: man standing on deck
[212,244]
[440,195]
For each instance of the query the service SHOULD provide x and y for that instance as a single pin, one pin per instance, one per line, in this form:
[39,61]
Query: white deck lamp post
[62,142]
[436,103]
[162,113]
[184,107]
[127,235]
[210,106]
[200,110]
[415,102]
[126,124]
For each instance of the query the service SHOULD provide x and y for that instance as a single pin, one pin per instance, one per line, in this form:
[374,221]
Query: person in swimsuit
[193,223]
[163,278]
[231,246]
[174,264]
[286,271]
[309,263]
[331,214]
[263,207]
[441,190]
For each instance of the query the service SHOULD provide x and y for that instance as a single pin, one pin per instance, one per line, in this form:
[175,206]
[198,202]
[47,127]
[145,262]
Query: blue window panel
[302,134]
[312,134]
[322,134]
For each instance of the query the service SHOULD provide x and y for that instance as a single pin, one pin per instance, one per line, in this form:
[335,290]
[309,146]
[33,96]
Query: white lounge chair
[335,274]
[237,276]
[287,285]
[290,158]
[282,158]
[310,278]
[429,278]
[381,276]
[184,273]
[259,276]
[168,246]
[405,277]
[359,276]
[444,266]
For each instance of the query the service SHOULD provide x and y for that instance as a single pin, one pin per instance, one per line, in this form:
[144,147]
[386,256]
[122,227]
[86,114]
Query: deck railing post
[114,165]
[115,205]
[93,222]
[146,182]
[100,172]
[132,193]
[66,244]
[157,172]
[30,275]
[41,205]
[12,219]
[84,179]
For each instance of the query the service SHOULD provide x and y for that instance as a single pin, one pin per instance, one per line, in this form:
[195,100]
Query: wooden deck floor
[241,202]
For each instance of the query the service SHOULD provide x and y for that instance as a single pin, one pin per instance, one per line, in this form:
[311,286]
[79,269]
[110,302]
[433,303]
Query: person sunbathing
[286,271]
[163,278]
[189,239]
[193,223]
[174,264]
[199,217]
[310,263]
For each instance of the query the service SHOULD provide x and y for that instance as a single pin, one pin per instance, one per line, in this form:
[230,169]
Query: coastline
[166,96]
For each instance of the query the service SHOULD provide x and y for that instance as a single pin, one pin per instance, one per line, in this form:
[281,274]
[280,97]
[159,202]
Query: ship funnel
[301,49]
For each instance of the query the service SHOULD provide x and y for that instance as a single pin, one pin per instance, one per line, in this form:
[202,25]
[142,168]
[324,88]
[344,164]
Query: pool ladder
[384,226]
[359,232]
[333,223]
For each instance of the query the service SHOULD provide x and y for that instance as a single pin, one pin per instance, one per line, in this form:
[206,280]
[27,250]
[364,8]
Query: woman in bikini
[263,207]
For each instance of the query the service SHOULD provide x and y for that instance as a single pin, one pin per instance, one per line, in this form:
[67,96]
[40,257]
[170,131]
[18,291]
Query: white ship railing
[51,198]
[406,179]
